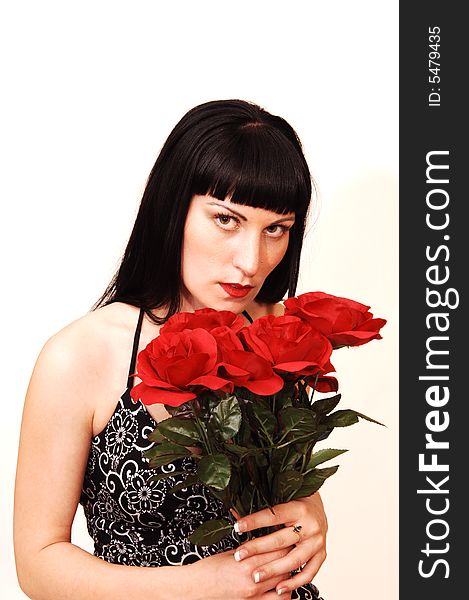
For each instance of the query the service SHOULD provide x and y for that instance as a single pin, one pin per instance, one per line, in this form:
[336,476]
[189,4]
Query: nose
[248,255]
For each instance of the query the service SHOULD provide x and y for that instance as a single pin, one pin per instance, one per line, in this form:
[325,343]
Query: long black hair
[228,149]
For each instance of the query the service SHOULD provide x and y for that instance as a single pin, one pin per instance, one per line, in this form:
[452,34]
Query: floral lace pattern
[134,521]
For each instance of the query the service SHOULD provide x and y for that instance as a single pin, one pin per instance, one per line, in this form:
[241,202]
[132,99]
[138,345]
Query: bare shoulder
[89,338]
[85,354]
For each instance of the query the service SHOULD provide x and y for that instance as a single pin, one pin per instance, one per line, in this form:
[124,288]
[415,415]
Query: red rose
[344,322]
[173,363]
[246,369]
[289,344]
[325,384]
[223,325]
[203,318]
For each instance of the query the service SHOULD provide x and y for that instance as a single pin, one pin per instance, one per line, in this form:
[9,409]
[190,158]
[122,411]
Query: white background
[90,91]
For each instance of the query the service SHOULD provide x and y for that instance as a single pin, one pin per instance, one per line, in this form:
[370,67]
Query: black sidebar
[434,331]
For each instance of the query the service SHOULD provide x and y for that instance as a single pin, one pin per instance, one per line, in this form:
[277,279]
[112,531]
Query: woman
[220,225]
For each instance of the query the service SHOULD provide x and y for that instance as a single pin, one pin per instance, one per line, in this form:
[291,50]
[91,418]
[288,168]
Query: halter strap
[135,347]
[248,316]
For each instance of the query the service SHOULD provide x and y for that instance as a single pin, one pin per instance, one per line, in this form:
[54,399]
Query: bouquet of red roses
[241,399]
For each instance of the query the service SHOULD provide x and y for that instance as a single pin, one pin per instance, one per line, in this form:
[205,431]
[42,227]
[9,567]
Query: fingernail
[258,576]
[239,526]
[281,591]
[240,554]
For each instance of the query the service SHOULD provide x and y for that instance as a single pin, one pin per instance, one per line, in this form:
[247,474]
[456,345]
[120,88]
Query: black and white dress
[136,522]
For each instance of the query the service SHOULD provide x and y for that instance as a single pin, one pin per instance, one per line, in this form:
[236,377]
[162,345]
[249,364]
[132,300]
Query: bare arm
[54,445]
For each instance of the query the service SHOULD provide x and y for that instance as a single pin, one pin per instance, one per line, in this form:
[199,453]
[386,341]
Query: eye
[277,231]
[225,221]
[229,222]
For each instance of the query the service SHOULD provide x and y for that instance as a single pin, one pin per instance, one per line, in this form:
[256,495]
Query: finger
[235,514]
[257,561]
[292,561]
[306,575]
[274,594]
[266,587]
[283,538]
[267,517]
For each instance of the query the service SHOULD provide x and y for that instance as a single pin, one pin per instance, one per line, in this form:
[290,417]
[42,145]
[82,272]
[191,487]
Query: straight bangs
[256,166]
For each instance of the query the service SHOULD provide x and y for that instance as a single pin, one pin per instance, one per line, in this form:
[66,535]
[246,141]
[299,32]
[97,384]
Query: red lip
[238,285]
[236,291]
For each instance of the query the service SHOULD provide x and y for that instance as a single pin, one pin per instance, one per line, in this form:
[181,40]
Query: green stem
[282,466]
[285,435]
[202,433]
[303,462]
[298,439]
[314,387]
[252,452]
[266,433]
[250,535]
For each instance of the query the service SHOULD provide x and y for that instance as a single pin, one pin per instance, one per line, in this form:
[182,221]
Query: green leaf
[244,437]
[303,447]
[361,415]
[283,398]
[156,436]
[322,456]
[237,450]
[247,495]
[297,422]
[223,495]
[282,402]
[323,433]
[215,471]
[261,461]
[266,420]
[183,409]
[165,453]
[313,481]
[344,418]
[288,482]
[324,406]
[270,476]
[180,431]
[189,480]
[208,400]
[284,458]
[226,418]
[211,532]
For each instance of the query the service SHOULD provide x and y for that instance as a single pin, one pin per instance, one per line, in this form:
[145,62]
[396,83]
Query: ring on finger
[298,569]
[297,529]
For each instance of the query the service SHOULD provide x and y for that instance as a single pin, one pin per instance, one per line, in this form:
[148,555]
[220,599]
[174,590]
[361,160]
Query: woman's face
[227,243]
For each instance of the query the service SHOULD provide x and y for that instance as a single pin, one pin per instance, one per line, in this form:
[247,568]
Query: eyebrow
[243,218]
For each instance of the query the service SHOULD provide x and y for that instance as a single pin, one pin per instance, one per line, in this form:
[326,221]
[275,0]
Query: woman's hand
[306,543]
[221,576]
